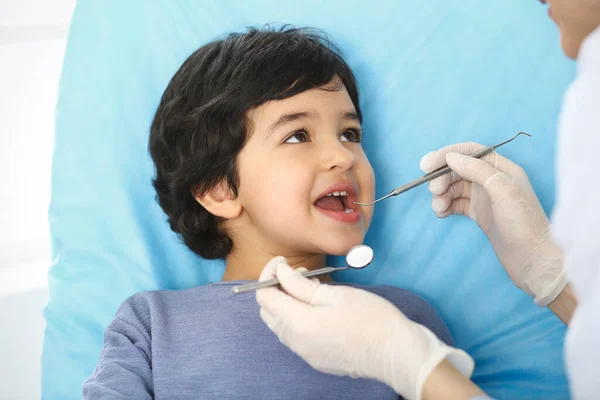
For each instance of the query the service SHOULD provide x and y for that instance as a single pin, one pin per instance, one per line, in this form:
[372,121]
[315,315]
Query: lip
[347,218]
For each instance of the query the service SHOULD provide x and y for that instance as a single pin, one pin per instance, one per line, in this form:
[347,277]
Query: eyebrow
[287,118]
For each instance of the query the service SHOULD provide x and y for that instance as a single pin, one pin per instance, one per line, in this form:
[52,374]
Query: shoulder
[137,306]
[144,307]
[415,307]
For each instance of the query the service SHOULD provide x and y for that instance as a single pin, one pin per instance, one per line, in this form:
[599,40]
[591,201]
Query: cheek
[275,187]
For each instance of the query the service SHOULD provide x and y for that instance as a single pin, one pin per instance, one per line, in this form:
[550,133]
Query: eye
[299,136]
[352,135]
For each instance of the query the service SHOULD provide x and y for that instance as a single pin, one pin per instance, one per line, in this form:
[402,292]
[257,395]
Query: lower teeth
[348,210]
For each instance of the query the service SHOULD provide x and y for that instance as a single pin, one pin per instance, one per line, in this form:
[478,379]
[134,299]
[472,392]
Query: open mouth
[337,201]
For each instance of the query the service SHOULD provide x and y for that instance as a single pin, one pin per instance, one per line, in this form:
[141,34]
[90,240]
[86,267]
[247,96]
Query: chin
[341,247]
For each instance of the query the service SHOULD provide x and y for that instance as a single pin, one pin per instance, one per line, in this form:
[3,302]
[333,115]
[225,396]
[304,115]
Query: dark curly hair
[201,122]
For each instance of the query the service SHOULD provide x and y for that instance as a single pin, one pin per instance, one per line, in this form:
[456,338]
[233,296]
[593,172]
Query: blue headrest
[430,74]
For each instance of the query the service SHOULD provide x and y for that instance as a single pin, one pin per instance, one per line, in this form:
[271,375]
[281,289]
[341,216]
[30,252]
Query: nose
[337,155]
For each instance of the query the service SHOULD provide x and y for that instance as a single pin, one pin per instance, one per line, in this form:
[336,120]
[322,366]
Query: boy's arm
[124,370]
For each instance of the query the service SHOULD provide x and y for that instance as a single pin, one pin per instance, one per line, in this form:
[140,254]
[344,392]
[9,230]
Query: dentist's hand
[346,331]
[496,193]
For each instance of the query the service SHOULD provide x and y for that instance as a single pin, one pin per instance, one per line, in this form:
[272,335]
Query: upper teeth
[342,193]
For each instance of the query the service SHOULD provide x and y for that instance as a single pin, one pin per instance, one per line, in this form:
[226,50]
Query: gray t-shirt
[208,343]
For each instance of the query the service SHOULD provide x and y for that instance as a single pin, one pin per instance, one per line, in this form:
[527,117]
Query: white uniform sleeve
[576,219]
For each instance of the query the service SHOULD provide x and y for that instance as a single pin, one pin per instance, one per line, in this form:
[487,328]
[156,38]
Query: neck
[247,262]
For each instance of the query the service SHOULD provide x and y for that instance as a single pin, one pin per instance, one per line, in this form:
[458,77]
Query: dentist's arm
[564,305]
[497,195]
[351,332]
[446,383]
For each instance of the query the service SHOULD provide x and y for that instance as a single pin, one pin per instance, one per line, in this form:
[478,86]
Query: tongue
[330,203]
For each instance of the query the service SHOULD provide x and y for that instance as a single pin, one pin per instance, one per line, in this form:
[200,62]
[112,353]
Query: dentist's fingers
[274,299]
[442,203]
[301,288]
[479,172]
[284,324]
[283,307]
[302,270]
[271,321]
[437,159]
[270,270]
[459,206]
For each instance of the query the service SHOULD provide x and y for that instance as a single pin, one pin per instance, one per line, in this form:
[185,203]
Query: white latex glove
[346,331]
[496,193]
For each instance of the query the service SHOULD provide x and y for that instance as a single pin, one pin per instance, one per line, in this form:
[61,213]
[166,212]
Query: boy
[257,148]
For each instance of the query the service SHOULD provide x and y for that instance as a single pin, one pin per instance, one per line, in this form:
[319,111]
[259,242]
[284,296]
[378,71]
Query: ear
[220,201]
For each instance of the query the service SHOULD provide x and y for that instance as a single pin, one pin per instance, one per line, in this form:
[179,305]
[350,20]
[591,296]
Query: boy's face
[299,151]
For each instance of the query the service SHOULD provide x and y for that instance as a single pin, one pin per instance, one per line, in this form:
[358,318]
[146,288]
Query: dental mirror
[357,257]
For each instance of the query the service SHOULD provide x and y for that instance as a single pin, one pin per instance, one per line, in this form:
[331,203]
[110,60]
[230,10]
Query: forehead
[326,101]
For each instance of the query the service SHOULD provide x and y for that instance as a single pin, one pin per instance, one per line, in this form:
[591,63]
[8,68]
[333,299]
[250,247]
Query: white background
[32,43]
